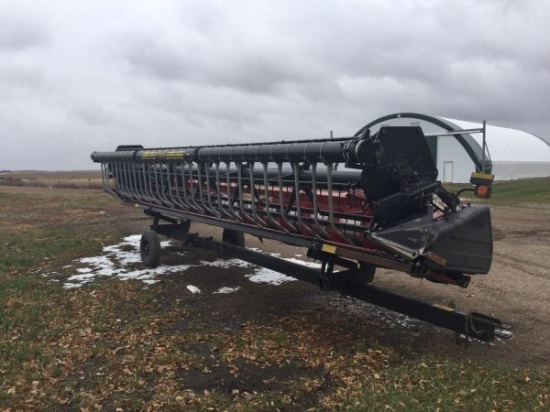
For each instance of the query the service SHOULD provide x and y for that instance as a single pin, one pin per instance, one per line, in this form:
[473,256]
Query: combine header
[355,203]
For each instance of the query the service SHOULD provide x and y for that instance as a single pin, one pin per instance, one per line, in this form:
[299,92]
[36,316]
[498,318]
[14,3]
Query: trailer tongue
[384,209]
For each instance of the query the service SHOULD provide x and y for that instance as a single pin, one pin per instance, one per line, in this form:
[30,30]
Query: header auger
[355,203]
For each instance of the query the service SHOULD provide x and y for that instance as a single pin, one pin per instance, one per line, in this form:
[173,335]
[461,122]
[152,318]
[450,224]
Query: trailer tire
[149,248]
[366,272]
[233,237]
[185,225]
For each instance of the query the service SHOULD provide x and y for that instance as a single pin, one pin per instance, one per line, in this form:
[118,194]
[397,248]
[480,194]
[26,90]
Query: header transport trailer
[355,204]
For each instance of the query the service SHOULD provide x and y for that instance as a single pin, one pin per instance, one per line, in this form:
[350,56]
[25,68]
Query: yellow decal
[443,307]
[329,249]
[436,258]
[487,176]
[175,154]
[162,154]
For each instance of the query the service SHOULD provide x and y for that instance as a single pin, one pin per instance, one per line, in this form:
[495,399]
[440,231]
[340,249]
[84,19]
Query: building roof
[504,144]
[509,145]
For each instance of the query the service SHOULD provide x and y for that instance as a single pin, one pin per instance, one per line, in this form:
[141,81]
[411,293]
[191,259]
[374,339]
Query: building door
[447,172]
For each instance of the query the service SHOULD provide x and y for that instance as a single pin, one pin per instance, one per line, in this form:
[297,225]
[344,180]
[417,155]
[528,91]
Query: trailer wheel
[185,225]
[366,272]
[150,249]
[233,237]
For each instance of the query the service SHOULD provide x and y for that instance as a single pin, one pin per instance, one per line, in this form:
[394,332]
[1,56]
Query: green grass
[114,344]
[435,384]
[536,190]
[45,230]
[525,190]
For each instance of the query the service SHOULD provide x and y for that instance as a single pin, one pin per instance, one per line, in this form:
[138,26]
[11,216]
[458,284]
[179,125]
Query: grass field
[527,190]
[73,180]
[120,345]
[535,190]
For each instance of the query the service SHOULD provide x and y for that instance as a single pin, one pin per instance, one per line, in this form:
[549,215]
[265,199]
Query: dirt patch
[245,377]
[516,290]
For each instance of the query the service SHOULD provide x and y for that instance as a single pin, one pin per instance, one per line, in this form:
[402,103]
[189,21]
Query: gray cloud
[152,59]
[249,68]
[81,77]
[21,29]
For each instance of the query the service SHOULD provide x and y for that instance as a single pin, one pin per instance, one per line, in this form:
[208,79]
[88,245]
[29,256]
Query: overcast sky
[79,76]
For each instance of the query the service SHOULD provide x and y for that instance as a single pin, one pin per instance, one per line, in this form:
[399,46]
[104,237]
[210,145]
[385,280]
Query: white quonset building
[511,154]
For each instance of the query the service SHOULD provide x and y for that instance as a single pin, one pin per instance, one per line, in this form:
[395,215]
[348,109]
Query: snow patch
[193,289]
[120,261]
[263,275]
[224,264]
[227,289]
[315,265]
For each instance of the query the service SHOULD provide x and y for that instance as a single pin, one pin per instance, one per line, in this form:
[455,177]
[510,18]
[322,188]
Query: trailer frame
[352,280]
